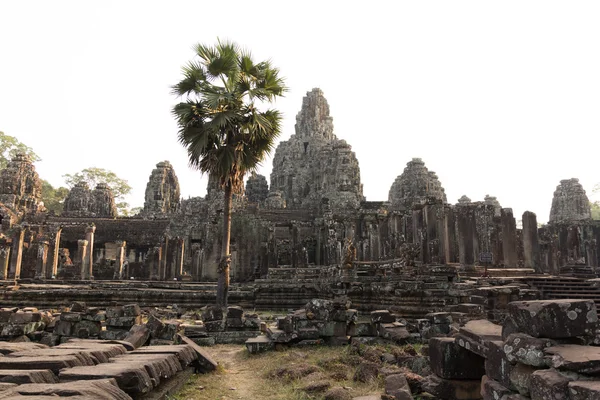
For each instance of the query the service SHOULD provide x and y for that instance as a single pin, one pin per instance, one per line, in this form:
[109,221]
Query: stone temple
[290,233]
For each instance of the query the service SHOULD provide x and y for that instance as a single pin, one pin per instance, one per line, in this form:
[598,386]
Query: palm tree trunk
[224,263]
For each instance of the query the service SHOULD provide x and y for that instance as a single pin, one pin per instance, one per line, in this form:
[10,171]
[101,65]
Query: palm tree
[225,133]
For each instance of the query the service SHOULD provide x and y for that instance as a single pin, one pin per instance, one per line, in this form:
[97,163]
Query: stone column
[42,259]
[531,242]
[15,262]
[420,232]
[89,236]
[178,264]
[465,224]
[120,259]
[509,238]
[4,259]
[55,250]
[162,269]
[82,257]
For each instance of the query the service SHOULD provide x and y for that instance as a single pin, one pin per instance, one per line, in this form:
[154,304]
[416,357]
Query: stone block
[525,349]
[93,328]
[520,378]
[584,390]
[88,389]
[497,366]
[24,318]
[124,321]
[131,378]
[70,316]
[319,309]
[554,319]
[138,335]
[451,361]
[131,310]
[28,376]
[78,306]
[492,390]
[572,357]
[452,389]
[548,384]
[212,313]
[337,341]
[63,328]
[397,386]
[476,335]
[113,334]
[215,326]
[382,316]
[252,323]
[114,312]
[361,329]
[204,361]
[279,336]
[439,318]
[235,312]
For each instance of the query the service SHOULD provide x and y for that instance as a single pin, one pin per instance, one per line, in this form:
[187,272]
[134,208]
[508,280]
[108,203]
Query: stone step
[91,389]
[20,376]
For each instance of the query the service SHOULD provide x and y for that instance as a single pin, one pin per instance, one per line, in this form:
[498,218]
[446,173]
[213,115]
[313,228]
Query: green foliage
[53,198]
[224,131]
[596,210]
[10,146]
[93,176]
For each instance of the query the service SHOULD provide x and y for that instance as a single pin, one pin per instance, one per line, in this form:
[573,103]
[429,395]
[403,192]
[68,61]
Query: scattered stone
[451,361]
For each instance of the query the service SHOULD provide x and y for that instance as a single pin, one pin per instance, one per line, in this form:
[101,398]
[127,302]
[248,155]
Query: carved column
[42,259]
[82,257]
[467,237]
[55,250]
[89,236]
[196,261]
[120,257]
[4,259]
[15,264]
[509,238]
[531,244]
[178,262]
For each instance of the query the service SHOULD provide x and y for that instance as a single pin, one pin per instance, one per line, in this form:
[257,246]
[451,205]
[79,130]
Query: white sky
[496,97]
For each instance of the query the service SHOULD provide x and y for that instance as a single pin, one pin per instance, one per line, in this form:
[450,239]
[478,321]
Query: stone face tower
[257,188]
[570,203]
[83,202]
[20,185]
[415,185]
[162,190]
[314,164]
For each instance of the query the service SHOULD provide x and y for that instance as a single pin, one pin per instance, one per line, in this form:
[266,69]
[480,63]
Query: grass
[277,375]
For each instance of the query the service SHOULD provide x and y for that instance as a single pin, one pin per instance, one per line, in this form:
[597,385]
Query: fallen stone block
[497,366]
[525,349]
[138,335]
[452,389]
[185,353]
[21,376]
[492,390]
[382,316]
[554,319]
[131,310]
[572,357]
[235,312]
[259,344]
[204,362]
[319,309]
[476,335]
[451,361]
[397,386]
[121,322]
[361,329]
[84,356]
[102,352]
[158,366]
[520,378]
[131,378]
[11,347]
[584,390]
[548,384]
[439,318]
[113,334]
[54,364]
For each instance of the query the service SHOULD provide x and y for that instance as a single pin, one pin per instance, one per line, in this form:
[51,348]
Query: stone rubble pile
[541,352]
[23,324]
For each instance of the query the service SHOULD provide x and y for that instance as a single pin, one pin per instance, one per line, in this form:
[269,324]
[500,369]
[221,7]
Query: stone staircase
[566,288]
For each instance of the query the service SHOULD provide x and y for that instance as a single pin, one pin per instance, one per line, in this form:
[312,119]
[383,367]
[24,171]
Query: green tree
[53,198]
[93,176]
[221,126]
[10,146]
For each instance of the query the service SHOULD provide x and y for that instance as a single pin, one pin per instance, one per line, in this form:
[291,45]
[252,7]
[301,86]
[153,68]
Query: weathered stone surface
[571,357]
[204,360]
[415,186]
[520,378]
[584,390]
[476,335]
[570,203]
[452,389]
[21,376]
[259,344]
[132,378]
[162,191]
[138,335]
[525,349]
[20,185]
[83,202]
[396,385]
[492,390]
[451,361]
[101,389]
[313,164]
[53,363]
[548,384]
[554,318]
[257,188]
[382,316]
[185,353]
[497,366]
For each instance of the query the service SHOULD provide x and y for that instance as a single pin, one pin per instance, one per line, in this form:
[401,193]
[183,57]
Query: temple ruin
[294,229]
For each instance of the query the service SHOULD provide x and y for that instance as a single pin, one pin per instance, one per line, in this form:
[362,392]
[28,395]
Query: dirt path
[240,378]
